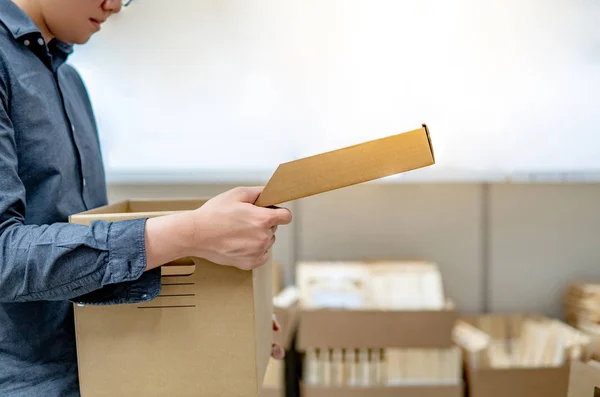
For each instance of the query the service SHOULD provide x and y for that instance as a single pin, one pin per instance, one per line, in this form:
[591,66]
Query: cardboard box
[209,333]
[584,379]
[336,329]
[488,380]
[378,328]
[183,340]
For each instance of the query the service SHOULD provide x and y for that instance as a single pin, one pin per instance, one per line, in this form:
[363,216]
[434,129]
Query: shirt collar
[20,25]
[15,19]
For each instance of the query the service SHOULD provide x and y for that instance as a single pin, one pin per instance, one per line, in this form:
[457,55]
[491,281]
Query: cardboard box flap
[288,320]
[584,380]
[348,166]
[375,328]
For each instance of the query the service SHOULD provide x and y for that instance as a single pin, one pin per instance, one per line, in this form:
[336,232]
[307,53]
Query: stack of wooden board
[582,308]
[582,303]
[516,354]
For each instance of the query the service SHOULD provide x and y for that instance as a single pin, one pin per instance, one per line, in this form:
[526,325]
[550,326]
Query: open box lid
[584,380]
[288,320]
[339,328]
[287,309]
[349,166]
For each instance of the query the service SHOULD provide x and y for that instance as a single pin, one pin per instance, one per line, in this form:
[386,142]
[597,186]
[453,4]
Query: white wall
[232,85]
[500,247]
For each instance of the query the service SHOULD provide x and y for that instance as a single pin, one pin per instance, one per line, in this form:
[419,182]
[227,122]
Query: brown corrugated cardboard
[209,333]
[349,166]
[375,328]
[584,379]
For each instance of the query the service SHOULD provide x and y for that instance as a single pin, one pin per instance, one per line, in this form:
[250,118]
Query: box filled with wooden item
[285,307]
[518,355]
[382,328]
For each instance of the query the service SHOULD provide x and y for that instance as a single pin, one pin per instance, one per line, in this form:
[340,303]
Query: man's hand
[277,352]
[228,230]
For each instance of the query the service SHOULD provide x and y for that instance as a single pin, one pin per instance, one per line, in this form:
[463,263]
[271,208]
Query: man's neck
[33,10]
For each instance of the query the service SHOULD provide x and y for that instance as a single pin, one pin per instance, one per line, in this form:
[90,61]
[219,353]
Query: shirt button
[27,42]
[72,128]
[84,182]
[41,41]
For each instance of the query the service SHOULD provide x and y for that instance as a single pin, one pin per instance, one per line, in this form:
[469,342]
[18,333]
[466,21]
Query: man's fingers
[276,326]
[278,216]
[277,352]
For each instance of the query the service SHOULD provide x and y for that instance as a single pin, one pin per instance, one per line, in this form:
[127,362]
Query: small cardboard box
[584,379]
[209,333]
[486,381]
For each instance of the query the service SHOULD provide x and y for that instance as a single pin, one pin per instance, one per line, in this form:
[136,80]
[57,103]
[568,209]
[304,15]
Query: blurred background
[195,97]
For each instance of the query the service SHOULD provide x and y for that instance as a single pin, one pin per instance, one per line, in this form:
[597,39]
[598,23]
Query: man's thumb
[249,194]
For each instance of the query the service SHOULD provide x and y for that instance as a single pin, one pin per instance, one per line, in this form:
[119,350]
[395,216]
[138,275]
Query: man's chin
[79,39]
[82,40]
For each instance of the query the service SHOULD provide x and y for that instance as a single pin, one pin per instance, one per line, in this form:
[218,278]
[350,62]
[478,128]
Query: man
[50,168]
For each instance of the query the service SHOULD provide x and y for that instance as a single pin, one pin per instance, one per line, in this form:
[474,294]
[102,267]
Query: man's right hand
[230,230]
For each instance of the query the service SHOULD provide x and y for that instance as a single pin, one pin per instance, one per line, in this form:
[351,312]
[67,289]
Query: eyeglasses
[125,3]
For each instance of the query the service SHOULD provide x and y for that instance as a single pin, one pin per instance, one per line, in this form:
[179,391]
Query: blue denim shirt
[50,168]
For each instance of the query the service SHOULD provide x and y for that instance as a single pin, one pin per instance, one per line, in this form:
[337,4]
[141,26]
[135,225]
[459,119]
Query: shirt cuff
[126,279]
[126,251]
[146,288]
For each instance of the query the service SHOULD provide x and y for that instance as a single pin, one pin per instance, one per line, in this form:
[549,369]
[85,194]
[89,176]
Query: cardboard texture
[518,382]
[584,379]
[501,364]
[209,333]
[375,328]
[349,166]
